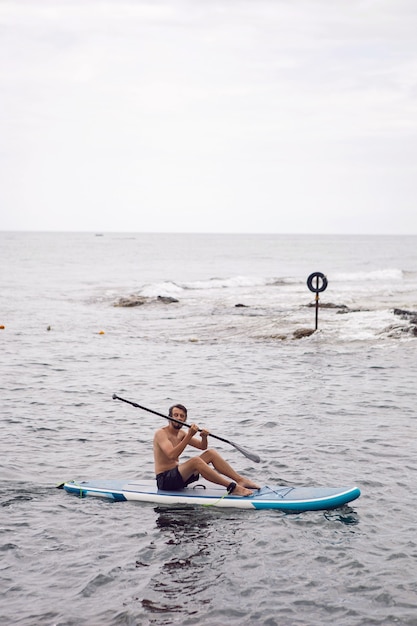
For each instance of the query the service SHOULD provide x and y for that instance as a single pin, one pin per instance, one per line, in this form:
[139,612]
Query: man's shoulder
[161,432]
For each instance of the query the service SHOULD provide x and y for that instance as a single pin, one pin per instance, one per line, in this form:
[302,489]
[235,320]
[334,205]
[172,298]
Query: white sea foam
[233,282]
[240,282]
[374,275]
[161,289]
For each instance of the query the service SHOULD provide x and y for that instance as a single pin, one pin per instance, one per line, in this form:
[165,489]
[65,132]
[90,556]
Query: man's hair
[177,406]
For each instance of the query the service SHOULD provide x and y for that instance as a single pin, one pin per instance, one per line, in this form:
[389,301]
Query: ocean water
[336,407]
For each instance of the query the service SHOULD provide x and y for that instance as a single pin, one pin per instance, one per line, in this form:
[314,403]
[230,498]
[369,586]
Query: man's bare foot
[241,491]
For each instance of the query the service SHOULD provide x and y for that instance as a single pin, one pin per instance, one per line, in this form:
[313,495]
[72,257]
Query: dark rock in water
[241,305]
[406,315]
[410,316]
[135,300]
[395,331]
[328,305]
[341,308]
[347,310]
[303,332]
[130,301]
[167,299]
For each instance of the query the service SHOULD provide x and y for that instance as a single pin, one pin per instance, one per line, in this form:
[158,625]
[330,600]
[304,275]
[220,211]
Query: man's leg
[200,466]
[223,467]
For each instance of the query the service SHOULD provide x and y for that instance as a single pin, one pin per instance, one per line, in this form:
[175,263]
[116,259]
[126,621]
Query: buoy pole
[317,288]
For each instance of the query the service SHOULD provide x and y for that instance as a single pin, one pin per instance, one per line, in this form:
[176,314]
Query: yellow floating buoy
[2,327]
[101,332]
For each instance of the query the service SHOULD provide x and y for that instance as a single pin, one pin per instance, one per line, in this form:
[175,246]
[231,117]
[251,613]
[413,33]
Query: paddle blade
[250,455]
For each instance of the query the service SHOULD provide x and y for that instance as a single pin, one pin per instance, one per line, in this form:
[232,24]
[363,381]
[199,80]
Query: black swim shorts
[171,480]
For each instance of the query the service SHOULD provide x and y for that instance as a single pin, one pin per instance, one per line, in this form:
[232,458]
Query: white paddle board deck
[294,499]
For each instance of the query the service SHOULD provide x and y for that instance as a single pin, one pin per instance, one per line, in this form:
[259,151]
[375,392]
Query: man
[171,475]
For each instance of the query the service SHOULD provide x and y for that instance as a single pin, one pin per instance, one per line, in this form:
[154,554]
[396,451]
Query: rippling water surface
[335,408]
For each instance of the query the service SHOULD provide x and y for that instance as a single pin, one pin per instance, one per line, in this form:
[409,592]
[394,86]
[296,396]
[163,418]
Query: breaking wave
[374,275]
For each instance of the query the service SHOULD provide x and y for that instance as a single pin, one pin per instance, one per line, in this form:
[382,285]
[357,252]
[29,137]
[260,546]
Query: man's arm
[174,452]
[201,443]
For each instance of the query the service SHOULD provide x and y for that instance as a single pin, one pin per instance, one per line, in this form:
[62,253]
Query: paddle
[249,455]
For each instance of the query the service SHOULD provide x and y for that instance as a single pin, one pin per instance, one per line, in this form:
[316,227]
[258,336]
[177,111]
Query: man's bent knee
[209,456]
[200,461]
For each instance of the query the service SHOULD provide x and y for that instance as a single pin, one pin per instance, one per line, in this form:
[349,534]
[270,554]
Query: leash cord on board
[217,501]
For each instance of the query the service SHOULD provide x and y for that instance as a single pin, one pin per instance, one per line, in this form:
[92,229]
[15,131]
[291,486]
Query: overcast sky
[282,116]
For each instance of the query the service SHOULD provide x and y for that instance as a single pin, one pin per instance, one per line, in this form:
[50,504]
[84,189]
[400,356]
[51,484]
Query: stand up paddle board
[283,498]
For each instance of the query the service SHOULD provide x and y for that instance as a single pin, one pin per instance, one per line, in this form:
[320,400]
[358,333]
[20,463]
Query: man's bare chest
[174,440]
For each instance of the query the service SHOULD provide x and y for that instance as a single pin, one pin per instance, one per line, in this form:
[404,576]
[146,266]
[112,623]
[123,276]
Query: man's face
[178,414]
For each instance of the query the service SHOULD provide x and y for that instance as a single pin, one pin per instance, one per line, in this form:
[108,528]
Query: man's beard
[177,426]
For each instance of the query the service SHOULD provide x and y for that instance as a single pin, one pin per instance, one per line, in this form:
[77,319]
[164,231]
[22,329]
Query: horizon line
[101,232]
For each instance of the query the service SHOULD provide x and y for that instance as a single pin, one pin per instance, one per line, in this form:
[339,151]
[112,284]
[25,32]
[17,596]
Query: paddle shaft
[249,455]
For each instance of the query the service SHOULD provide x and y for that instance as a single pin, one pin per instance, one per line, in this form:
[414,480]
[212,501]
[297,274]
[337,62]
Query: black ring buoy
[317,275]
